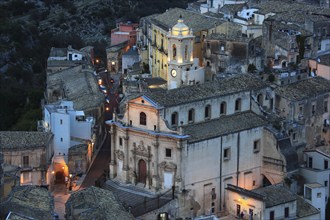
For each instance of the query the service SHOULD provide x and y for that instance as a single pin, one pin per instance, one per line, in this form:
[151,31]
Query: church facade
[197,139]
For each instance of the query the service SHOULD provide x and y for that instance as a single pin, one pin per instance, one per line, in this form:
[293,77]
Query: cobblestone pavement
[61,195]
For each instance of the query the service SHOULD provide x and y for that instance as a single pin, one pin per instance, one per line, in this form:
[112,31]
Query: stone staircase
[135,199]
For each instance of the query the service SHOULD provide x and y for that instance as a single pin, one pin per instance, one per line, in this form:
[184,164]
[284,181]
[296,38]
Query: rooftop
[196,21]
[79,148]
[305,209]
[231,8]
[94,202]
[304,89]
[325,150]
[223,125]
[314,185]
[24,139]
[275,195]
[79,86]
[325,59]
[31,201]
[224,86]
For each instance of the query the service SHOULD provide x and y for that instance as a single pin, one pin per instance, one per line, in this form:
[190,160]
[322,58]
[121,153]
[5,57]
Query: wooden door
[142,171]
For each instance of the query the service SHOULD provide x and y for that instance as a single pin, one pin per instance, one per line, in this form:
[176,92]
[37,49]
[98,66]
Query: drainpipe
[238,151]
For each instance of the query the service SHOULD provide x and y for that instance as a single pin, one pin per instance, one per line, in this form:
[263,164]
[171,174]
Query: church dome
[180,28]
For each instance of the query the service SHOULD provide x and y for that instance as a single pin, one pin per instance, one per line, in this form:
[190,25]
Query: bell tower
[180,54]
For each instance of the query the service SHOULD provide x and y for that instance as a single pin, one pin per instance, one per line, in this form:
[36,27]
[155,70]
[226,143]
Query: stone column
[125,162]
[148,168]
[155,177]
[112,165]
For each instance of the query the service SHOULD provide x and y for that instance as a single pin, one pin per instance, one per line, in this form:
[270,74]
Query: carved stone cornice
[141,150]
[168,166]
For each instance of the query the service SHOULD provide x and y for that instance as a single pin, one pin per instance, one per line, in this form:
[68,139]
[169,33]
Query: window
[286,212]
[326,165]
[319,195]
[226,154]
[325,106]
[214,195]
[256,146]
[326,183]
[174,119]
[313,109]
[272,215]
[308,193]
[238,105]
[260,99]
[174,51]
[168,152]
[207,113]
[61,121]
[223,108]
[120,141]
[191,115]
[61,139]
[186,52]
[310,162]
[143,118]
[25,161]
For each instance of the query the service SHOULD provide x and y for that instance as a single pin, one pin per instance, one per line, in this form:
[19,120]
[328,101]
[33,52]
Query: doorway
[238,209]
[142,171]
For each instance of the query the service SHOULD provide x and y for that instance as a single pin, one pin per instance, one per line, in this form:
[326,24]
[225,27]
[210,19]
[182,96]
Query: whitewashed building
[316,173]
[70,128]
[271,202]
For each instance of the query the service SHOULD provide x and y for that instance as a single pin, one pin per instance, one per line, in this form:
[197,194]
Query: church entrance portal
[142,171]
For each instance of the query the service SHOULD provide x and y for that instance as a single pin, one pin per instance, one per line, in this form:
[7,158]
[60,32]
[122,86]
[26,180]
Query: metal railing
[150,204]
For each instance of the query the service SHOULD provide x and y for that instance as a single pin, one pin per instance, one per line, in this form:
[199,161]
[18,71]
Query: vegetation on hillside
[29,29]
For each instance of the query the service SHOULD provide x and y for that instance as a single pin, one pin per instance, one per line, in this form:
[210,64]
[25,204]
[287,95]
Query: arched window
[191,115]
[174,51]
[260,99]
[207,113]
[238,104]
[186,52]
[223,108]
[174,119]
[143,118]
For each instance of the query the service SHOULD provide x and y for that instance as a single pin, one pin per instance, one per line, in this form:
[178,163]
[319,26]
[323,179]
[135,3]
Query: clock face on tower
[173,73]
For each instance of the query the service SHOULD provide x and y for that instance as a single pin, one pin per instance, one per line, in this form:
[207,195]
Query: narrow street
[100,164]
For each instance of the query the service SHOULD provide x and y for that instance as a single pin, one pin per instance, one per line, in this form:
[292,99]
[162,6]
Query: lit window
[143,118]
